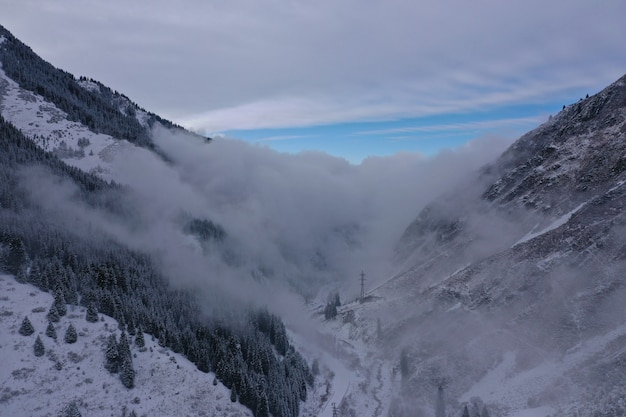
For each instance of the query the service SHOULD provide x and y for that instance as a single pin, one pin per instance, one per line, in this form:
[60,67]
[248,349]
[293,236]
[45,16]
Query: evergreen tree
[92,313]
[59,303]
[379,329]
[139,340]
[38,347]
[71,410]
[466,412]
[233,394]
[112,356]
[70,334]
[53,314]
[26,329]
[123,347]
[127,372]
[50,331]
[132,331]
[330,311]
[485,412]
[262,408]
[337,300]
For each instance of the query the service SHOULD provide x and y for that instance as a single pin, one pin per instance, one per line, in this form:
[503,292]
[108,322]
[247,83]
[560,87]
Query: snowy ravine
[166,384]
[353,376]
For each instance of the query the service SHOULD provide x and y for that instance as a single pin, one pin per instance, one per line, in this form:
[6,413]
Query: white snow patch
[2,39]
[142,117]
[89,86]
[454,307]
[616,186]
[554,225]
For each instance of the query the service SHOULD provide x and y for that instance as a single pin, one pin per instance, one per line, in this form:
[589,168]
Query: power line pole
[362,286]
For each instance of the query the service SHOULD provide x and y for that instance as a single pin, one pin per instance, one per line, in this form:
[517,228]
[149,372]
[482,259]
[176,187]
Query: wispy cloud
[281,138]
[468,126]
[411,100]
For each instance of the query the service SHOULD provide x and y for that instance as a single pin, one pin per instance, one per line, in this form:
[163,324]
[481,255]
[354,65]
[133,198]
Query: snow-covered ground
[48,126]
[166,384]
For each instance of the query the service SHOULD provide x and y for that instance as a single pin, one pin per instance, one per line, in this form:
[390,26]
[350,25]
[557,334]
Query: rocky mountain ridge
[526,259]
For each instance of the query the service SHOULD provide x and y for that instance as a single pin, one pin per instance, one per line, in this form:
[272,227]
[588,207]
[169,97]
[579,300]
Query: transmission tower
[335,411]
[362,286]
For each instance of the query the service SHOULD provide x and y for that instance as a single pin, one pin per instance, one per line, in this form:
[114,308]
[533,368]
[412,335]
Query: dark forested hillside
[250,355]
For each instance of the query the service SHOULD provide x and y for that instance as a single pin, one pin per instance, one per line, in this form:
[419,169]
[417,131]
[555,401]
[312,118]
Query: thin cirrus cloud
[280,138]
[475,125]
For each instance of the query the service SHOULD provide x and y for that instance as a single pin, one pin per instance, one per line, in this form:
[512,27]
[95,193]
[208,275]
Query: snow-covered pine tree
[71,410]
[139,340]
[92,313]
[123,347]
[112,356]
[26,329]
[466,412]
[38,347]
[50,331]
[59,302]
[53,314]
[262,408]
[130,327]
[70,334]
[127,373]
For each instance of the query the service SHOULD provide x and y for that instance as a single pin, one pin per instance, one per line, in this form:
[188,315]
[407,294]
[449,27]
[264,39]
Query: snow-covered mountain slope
[81,120]
[509,289]
[50,128]
[166,384]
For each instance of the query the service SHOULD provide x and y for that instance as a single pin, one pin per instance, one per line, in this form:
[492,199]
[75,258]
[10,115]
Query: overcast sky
[350,77]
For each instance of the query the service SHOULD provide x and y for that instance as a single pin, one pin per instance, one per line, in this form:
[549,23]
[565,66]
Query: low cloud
[311,218]
[295,224]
